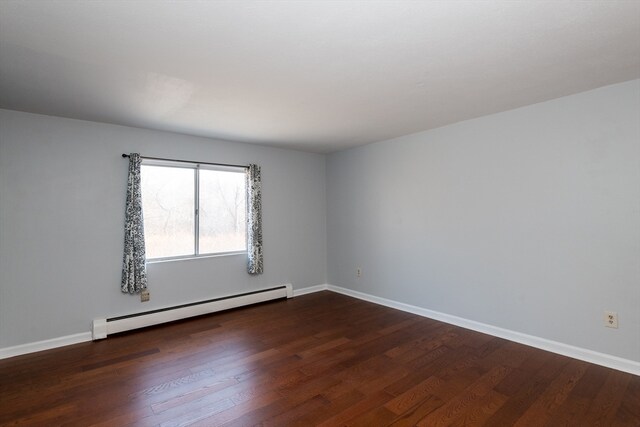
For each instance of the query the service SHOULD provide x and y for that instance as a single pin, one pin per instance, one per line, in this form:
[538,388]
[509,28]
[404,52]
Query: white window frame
[196,188]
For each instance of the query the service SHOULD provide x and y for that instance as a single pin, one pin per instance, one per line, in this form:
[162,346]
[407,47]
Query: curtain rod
[189,161]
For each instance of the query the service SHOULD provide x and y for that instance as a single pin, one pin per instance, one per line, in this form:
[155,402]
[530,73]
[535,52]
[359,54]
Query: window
[192,210]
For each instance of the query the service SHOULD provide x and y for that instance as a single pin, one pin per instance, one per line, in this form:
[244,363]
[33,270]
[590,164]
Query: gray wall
[62,192]
[527,220]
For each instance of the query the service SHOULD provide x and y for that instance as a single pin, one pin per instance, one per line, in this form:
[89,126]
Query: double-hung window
[193,210]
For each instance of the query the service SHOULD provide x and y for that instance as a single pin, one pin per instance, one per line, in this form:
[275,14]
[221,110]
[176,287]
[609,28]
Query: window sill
[194,257]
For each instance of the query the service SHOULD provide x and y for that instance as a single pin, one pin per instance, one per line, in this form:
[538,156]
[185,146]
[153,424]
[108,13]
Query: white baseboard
[87,336]
[310,290]
[33,347]
[590,356]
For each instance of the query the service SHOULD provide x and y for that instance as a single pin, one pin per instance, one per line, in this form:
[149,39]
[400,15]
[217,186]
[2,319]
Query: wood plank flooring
[322,359]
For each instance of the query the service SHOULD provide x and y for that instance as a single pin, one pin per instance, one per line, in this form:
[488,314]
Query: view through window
[192,210]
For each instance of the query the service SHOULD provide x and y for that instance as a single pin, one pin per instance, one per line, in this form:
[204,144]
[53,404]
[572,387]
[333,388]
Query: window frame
[196,167]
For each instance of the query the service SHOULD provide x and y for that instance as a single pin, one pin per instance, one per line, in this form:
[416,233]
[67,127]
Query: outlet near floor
[611,319]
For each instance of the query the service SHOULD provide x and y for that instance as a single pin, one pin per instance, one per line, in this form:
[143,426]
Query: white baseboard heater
[104,327]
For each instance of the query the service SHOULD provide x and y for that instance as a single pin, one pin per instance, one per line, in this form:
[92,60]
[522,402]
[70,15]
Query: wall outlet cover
[611,319]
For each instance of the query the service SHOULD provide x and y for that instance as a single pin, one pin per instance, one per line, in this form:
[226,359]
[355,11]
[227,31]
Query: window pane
[168,208]
[223,211]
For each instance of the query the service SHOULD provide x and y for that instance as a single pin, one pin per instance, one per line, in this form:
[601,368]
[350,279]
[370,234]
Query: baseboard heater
[104,327]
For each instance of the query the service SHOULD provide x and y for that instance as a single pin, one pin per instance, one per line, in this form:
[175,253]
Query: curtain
[254,220]
[134,269]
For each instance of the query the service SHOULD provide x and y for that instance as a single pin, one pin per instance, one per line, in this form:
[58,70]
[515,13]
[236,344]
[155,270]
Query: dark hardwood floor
[317,360]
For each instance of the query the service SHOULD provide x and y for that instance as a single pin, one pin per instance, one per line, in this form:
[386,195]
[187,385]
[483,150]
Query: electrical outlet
[358,272]
[611,319]
[144,295]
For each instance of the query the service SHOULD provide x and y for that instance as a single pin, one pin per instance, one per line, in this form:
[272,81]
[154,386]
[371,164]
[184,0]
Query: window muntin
[192,210]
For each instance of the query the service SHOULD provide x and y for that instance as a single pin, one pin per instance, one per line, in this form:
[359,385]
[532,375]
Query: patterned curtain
[134,268]
[254,220]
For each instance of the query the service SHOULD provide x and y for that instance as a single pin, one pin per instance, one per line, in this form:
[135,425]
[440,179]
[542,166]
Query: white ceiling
[311,75]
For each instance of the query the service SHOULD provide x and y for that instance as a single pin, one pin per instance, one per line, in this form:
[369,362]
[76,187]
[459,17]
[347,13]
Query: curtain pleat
[134,269]
[254,220]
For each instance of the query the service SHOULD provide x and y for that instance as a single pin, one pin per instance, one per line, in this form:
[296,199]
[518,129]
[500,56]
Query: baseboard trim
[579,353]
[310,290]
[33,347]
